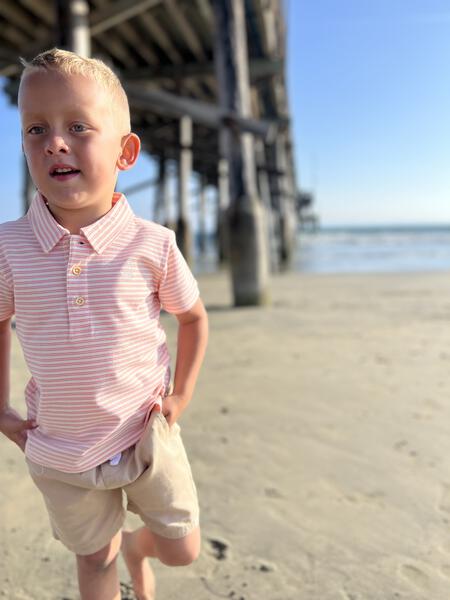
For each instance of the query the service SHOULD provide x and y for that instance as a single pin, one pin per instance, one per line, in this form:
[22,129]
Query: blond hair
[69,63]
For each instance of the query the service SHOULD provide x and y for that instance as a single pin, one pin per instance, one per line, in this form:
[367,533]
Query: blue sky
[370,97]
[369,93]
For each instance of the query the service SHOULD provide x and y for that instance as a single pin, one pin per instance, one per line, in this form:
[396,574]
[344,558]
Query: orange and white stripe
[87,316]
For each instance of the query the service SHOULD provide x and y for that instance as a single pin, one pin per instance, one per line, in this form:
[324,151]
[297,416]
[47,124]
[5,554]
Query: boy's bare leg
[135,549]
[97,573]
[139,544]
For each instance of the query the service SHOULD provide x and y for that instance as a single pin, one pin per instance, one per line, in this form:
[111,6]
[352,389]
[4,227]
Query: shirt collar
[99,234]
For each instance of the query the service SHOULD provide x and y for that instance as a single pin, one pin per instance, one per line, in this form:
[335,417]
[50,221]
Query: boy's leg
[83,517]
[97,573]
[178,552]
[139,544]
[165,497]
[135,550]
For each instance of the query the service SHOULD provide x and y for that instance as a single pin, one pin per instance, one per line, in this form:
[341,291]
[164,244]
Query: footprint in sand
[374,497]
[272,492]
[219,548]
[421,416]
[415,576]
[400,444]
[434,404]
[211,587]
[263,567]
[126,591]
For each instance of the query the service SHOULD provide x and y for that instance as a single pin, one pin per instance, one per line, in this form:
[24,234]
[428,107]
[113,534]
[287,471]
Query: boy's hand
[14,427]
[172,407]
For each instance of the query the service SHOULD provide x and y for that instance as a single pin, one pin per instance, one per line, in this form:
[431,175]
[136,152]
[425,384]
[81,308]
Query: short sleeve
[6,298]
[6,291]
[178,289]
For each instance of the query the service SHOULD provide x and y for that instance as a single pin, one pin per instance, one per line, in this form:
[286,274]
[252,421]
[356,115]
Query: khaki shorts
[86,509]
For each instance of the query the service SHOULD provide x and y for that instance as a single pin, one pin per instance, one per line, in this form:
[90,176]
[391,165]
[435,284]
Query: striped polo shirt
[87,312]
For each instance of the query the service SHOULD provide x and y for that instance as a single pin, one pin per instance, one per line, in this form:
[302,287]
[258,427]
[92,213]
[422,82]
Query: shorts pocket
[172,429]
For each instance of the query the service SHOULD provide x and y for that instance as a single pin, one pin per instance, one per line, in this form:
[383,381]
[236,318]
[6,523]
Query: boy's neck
[74,221]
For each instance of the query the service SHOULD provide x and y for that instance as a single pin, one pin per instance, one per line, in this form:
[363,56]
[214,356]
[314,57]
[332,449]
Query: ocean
[371,249]
[387,249]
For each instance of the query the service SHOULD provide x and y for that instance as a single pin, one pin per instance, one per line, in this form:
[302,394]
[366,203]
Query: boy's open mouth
[63,173]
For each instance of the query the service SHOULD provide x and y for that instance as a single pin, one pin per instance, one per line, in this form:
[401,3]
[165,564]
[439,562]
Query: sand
[319,438]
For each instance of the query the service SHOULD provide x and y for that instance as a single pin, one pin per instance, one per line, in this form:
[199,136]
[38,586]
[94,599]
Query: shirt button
[79,300]
[76,270]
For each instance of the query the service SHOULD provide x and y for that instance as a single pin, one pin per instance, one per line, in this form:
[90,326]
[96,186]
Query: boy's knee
[103,558]
[181,558]
[99,561]
[183,554]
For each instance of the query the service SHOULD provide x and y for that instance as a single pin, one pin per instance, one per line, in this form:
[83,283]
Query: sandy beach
[319,438]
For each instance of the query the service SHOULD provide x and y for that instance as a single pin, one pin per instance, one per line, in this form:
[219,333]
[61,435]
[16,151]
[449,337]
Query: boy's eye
[78,127]
[35,129]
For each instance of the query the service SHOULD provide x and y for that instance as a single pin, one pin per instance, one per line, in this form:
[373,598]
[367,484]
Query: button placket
[77,287]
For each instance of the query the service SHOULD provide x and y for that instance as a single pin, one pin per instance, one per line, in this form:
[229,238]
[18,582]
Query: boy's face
[68,123]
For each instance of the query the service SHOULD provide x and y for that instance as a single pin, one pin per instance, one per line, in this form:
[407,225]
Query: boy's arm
[191,346]
[11,423]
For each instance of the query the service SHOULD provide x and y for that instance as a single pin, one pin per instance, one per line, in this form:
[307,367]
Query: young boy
[86,280]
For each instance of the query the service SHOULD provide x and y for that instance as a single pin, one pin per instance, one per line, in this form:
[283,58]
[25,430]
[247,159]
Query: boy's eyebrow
[30,117]
[73,114]
[29,114]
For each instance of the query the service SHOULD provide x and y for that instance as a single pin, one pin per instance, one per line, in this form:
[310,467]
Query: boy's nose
[56,145]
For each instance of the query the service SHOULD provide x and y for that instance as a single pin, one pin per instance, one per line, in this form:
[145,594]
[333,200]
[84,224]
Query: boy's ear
[131,146]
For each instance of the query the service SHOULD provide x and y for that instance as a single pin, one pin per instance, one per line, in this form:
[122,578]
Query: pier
[206,81]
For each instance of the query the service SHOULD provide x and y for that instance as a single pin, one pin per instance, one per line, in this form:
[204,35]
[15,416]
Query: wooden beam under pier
[120,11]
[211,115]
[259,69]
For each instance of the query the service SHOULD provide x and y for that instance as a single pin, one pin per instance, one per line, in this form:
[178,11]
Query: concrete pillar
[72,26]
[184,174]
[286,203]
[282,202]
[29,188]
[71,33]
[202,216]
[266,197]
[161,203]
[223,189]
[248,245]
